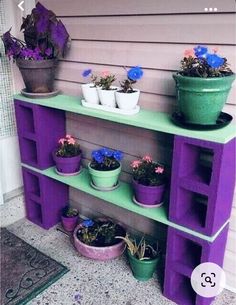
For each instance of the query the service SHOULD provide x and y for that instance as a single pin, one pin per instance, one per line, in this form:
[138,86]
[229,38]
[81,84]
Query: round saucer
[68,174]
[223,120]
[39,95]
[147,205]
[104,189]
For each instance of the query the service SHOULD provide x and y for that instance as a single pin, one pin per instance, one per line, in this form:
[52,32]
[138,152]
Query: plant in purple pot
[149,182]
[67,156]
[69,218]
[45,40]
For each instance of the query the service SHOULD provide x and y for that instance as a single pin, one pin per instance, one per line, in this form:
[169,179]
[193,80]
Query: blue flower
[106,152]
[200,51]
[135,73]
[97,156]
[87,223]
[87,72]
[118,155]
[214,61]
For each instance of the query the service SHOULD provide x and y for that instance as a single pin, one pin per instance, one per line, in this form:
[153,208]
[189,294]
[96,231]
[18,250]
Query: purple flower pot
[67,165]
[69,223]
[149,195]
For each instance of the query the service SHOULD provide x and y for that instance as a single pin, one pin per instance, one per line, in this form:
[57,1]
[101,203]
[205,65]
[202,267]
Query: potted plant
[202,85]
[149,182]
[89,90]
[105,168]
[67,156]
[127,97]
[143,257]
[45,40]
[96,239]
[69,218]
[106,91]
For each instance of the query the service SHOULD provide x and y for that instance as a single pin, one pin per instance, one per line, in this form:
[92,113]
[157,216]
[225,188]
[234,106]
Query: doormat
[25,271]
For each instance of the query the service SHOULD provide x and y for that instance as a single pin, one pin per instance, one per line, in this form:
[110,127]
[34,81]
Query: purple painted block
[39,129]
[44,198]
[184,253]
[202,184]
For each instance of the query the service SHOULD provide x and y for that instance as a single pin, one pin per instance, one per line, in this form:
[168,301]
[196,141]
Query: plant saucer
[68,174]
[104,189]
[39,95]
[147,205]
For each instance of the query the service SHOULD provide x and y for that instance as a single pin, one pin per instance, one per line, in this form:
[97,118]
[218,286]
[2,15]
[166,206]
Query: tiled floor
[92,282]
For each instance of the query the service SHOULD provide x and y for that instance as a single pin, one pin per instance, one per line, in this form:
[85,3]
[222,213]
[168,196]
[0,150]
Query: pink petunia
[71,141]
[189,53]
[135,163]
[105,73]
[68,136]
[61,141]
[159,170]
[147,158]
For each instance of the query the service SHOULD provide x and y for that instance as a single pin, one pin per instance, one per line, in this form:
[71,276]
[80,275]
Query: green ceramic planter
[142,270]
[201,100]
[104,179]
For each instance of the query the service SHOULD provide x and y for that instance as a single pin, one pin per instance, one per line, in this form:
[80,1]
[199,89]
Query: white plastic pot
[127,101]
[107,97]
[90,93]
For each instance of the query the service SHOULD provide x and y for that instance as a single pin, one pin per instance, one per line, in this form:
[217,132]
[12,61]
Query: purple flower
[87,223]
[200,51]
[214,61]
[135,73]
[87,72]
[59,36]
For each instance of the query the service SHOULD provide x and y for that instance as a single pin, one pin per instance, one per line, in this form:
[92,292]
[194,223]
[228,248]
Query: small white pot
[107,97]
[90,93]
[127,101]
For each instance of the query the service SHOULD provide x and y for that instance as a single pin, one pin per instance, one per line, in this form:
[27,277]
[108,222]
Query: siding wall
[107,35]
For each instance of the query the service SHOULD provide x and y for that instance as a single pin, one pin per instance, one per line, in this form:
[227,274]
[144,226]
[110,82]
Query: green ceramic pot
[201,100]
[104,179]
[142,269]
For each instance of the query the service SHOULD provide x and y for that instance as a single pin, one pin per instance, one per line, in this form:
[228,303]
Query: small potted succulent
[149,182]
[69,218]
[67,156]
[127,97]
[203,84]
[89,90]
[143,257]
[105,168]
[106,91]
[96,239]
[45,40]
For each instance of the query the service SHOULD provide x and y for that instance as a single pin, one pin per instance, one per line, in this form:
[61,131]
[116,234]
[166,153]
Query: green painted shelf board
[158,121]
[122,197]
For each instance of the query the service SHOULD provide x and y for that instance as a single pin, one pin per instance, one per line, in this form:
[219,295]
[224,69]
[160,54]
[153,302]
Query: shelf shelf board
[122,197]
[157,121]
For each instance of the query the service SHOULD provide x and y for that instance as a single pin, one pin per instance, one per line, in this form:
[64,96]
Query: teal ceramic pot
[104,179]
[201,100]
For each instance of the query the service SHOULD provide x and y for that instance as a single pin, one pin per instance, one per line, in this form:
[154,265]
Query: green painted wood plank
[152,120]
[121,197]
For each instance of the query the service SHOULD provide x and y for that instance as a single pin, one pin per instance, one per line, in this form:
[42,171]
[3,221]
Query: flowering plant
[88,72]
[147,172]
[133,75]
[45,37]
[68,211]
[99,232]
[105,159]
[68,147]
[106,80]
[198,62]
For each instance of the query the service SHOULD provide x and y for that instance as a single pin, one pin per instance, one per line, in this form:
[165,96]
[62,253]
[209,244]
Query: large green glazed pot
[201,100]
[104,179]
[142,269]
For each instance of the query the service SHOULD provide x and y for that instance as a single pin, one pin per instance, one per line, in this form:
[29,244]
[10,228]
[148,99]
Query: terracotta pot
[38,75]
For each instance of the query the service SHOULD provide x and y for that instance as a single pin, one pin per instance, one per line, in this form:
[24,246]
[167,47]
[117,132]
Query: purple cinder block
[39,129]
[184,253]
[44,198]
[202,184]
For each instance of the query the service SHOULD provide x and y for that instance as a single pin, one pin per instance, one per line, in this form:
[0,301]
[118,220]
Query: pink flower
[147,158]
[135,163]
[68,136]
[61,141]
[71,141]
[105,73]
[215,50]
[159,170]
[189,53]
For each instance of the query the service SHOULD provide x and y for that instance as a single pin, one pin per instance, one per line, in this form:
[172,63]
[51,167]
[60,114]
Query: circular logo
[208,280]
